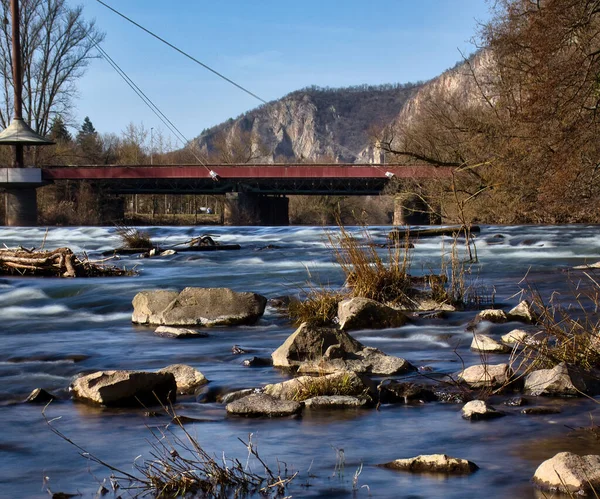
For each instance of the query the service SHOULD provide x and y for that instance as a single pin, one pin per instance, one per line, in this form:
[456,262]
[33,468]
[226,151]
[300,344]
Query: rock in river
[186,377]
[484,343]
[125,388]
[570,474]
[328,350]
[363,313]
[197,307]
[560,381]
[262,404]
[484,375]
[478,409]
[433,463]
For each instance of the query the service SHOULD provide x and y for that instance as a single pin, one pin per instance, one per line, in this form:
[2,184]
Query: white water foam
[20,295]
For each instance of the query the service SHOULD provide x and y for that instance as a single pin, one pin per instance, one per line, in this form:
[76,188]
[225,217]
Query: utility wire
[153,107]
[205,66]
[220,75]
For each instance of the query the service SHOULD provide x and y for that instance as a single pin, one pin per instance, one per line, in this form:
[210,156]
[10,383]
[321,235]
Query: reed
[134,238]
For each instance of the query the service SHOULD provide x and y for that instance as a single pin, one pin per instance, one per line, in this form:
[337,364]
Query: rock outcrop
[125,388]
[197,307]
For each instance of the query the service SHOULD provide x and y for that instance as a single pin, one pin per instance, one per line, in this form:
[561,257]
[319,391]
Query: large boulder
[560,381]
[186,377]
[328,350]
[263,405]
[570,474]
[486,375]
[484,343]
[310,343]
[197,307]
[433,463]
[363,313]
[305,387]
[125,388]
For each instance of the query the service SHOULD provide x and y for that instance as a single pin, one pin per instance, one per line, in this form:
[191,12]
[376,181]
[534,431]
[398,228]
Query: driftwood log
[61,262]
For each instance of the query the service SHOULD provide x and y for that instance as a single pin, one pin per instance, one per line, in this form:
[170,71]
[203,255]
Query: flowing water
[53,329]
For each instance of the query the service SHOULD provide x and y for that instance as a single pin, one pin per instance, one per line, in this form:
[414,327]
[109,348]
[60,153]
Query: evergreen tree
[89,143]
[58,131]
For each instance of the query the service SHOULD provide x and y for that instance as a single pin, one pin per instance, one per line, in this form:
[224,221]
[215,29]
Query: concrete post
[246,208]
[21,207]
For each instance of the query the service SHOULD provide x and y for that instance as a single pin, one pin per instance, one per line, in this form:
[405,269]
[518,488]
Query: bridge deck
[266,179]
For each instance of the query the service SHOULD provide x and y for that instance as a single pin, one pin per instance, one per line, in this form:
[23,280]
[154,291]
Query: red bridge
[346,179]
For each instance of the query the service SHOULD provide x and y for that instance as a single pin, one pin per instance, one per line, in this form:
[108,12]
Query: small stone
[186,377]
[484,343]
[258,362]
[479,410]
[493,315]
[515,336]
[523,312]
[484,375]
[168,252]
[434,463]
[178,332]
[237,350]
[516,402]
[570,474]
[262,404]
[540,411]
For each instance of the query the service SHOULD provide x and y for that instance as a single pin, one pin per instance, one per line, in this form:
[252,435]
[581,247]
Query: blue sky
[270,47]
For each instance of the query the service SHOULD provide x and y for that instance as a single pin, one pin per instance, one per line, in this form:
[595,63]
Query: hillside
[312,124]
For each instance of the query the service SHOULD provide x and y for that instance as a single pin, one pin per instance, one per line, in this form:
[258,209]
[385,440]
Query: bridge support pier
[412,209]
[246,208]
[20,209]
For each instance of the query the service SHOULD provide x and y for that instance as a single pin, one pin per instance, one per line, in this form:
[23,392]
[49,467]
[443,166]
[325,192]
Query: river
[53,329]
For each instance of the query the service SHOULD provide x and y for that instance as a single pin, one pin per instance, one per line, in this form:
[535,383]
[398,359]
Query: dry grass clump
[572,333]
[134,238]
[180,467]
[367,274]
[327,385]
[319,308]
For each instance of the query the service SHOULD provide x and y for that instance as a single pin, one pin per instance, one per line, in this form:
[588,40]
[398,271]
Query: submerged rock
[433,463]
[393,392]
[484,343]
[262,404]
[363,313]
[197,307]
[125,388]
[485,375]
[186,377]
[178,332]
[479,410]
[334,402]
[570,474]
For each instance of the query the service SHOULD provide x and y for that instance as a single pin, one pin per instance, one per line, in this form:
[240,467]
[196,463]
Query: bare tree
[57,45]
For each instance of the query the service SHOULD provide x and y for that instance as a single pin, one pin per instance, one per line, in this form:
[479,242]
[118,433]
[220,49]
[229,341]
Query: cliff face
[312,125]
[333,125]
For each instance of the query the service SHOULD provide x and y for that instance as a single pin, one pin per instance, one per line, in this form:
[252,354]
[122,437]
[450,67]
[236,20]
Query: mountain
[312,124]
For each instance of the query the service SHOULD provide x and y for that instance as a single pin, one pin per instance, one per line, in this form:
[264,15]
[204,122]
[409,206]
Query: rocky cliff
[334,125]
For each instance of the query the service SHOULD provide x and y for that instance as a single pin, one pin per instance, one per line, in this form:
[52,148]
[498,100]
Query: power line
[205,66]
[214,71]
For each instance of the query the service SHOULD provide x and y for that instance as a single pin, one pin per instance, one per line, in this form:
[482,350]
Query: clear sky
[272,47]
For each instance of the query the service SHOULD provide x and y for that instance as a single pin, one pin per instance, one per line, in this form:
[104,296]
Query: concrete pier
[20,195]
[246,208]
